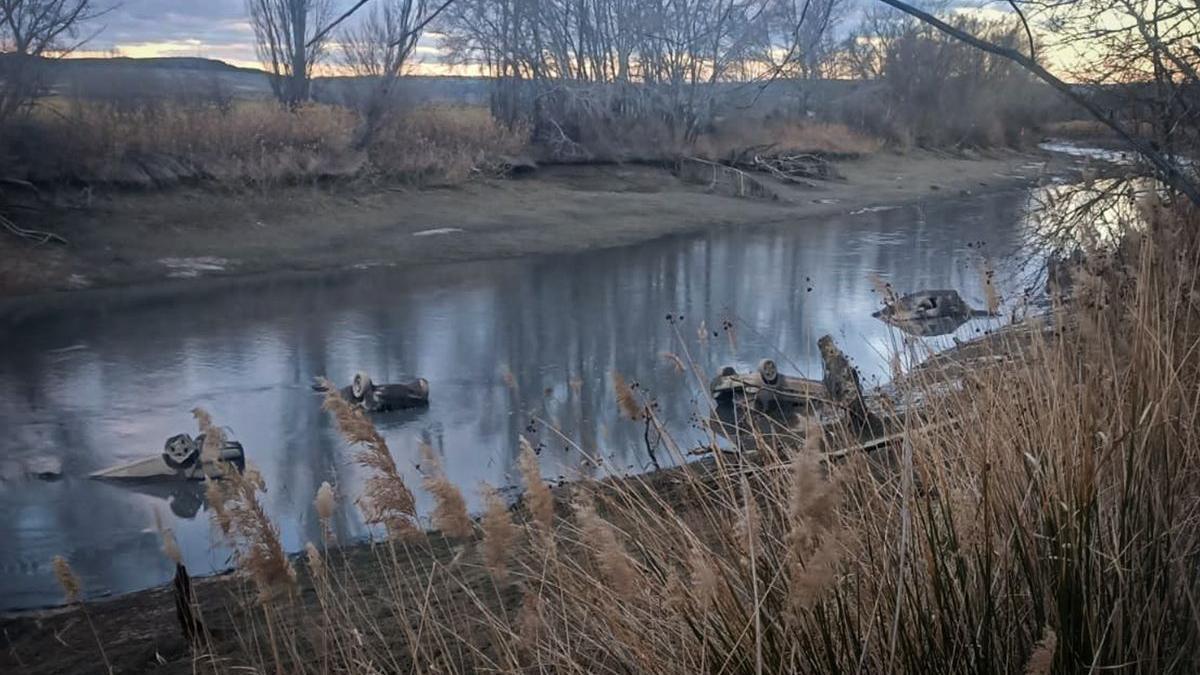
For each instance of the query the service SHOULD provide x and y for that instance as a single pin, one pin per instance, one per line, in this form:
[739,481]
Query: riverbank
[127,238]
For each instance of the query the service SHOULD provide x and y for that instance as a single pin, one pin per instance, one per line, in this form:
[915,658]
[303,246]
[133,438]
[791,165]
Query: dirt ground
[121,238]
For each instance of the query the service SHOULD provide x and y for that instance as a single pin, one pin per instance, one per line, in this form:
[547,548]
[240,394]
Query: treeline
[577,70]
[581,79]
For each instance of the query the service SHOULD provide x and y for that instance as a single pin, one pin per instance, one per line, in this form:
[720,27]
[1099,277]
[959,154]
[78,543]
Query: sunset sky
[218,29]
[215,29]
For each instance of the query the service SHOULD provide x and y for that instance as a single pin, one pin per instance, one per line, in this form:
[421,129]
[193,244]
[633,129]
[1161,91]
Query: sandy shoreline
[129,239]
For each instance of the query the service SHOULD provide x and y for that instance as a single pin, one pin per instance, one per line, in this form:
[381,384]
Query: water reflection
[508,348]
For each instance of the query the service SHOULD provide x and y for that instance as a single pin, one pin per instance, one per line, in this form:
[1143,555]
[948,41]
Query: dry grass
[254,143]
[444,144]
[1092,130]
[1078,129]
[785,136]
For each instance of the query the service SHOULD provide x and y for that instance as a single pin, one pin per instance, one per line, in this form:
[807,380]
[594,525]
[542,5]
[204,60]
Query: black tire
[181,452]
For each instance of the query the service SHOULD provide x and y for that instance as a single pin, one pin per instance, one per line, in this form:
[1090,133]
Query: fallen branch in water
[33,235]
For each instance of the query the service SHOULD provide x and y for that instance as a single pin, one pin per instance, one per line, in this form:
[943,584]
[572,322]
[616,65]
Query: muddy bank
[140,632]
[127,238]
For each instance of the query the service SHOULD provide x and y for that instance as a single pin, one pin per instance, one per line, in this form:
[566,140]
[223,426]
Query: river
[509,347]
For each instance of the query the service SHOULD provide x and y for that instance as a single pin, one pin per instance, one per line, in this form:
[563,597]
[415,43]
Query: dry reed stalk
[387,499]
[675,361]
[255,539]
[618,569]
[705,578]
[499,533]
[214,436]
[72,588]
[67,579]
[539,499]
[626,398]
[316,564]
[450,511]
[326,504]
[170,546]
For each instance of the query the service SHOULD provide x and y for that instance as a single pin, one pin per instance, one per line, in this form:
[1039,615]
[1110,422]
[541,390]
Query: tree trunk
[842,383]
[298,84]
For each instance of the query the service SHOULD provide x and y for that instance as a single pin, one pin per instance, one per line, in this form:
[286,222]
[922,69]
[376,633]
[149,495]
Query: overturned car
[372,397]
[182,458]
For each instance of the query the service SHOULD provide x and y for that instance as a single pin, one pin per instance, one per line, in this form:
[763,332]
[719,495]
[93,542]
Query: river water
[509,347]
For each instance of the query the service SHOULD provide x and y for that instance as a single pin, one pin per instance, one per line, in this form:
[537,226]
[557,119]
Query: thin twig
[35,235]
[1168,171]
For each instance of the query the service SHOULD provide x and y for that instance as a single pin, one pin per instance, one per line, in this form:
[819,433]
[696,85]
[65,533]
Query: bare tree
[31,30]
[290,39]
[1164,32]
[380,47]
[560,62]
[382,42]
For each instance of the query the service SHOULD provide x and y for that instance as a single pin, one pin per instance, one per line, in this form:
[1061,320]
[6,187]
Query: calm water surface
[105,378]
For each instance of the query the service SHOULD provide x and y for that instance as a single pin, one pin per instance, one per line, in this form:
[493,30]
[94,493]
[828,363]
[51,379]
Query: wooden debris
[723,179]
[845,390]
[185,613]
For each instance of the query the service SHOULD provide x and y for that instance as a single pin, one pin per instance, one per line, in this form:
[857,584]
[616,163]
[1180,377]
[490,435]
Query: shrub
[255,143]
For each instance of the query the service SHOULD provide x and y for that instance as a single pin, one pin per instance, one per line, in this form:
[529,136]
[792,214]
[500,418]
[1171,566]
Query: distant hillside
[195,77]
[133,79]
[157,62]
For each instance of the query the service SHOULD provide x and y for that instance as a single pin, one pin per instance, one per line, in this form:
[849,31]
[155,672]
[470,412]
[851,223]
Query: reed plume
[325,501]
[258,549]
[387,499]
[499,533]
[675,361]
[617,568]
[537,495]
[170,547]
[326,504]
[239,513]
[990,293]
[626,398]
[450,510]
[214,436]
[316,564]
[67,579]
[705,578]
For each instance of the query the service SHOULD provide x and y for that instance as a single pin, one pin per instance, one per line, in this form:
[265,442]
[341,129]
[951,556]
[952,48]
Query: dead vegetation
[249,143]
[735,138]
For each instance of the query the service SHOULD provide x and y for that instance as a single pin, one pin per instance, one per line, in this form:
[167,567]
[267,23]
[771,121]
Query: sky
[215,29]
[218,29]
[210,28]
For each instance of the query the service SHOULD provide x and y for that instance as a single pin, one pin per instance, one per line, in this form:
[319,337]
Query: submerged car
[372,397]
[928,313]
[181,459]
[766,387]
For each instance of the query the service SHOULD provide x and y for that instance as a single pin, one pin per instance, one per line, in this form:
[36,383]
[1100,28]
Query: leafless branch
[1168,171]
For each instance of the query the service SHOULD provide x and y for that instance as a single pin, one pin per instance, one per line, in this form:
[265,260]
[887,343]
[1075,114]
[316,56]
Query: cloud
[143,28]
[217,29]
